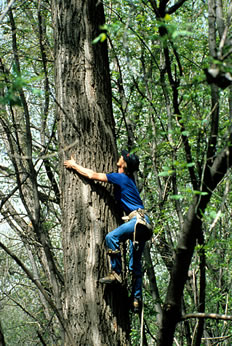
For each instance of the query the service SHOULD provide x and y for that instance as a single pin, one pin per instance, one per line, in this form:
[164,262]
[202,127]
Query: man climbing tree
[136,228]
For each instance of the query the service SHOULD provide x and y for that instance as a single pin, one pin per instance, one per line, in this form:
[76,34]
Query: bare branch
[6,10]
[11,193]
[39,286]
[31,277]
[155,7]
[205,315]
[175,7]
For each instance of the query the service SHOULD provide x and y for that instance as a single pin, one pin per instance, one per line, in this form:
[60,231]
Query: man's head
[129,163]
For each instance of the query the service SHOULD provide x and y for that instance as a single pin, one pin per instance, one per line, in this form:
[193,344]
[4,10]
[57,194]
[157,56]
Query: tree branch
[11,193]
[175,7]
[39,286]
[155,7]
[6,10]
[185,249]
[205,315]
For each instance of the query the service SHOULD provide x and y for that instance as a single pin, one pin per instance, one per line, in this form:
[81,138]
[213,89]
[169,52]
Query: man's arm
[88,173]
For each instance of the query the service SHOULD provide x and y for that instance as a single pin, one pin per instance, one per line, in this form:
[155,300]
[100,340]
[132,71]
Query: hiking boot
[136,305]
[111,278]
[111,252]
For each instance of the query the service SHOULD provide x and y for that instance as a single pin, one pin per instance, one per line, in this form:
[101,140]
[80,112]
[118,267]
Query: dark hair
[132,162]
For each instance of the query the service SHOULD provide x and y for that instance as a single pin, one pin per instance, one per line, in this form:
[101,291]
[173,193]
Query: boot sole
[107,281]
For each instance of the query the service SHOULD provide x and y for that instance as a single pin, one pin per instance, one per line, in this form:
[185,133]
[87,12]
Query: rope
[141,324]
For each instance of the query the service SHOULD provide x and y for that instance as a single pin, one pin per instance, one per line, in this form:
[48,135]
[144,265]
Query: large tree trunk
[96,315]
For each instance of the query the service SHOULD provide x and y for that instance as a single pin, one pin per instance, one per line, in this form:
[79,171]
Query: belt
[138,212]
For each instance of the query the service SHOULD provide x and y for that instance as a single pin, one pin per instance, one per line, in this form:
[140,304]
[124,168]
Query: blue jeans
[113,239]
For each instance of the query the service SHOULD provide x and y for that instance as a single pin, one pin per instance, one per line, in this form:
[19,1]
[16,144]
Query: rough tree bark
[96,315]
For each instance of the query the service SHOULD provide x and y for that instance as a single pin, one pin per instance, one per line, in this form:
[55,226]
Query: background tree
[30,193]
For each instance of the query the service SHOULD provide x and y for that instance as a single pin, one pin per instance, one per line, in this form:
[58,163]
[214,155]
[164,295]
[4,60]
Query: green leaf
[185,133]
[100,38]
[166,173]
[177,33]
[177,197]
[200,193]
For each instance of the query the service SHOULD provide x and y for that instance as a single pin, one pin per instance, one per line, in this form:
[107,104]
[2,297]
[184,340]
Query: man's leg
[113,244]
[113,240]
[135,266]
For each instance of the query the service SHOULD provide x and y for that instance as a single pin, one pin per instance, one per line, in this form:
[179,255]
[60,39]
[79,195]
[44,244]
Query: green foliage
[15,84]
[143,99]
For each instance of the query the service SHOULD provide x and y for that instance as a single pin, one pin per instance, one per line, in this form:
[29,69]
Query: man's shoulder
[120,177]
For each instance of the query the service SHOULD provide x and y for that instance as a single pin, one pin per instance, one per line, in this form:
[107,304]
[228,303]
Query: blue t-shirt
[126,191]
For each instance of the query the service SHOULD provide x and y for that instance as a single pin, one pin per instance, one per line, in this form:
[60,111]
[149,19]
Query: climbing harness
[142,229]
